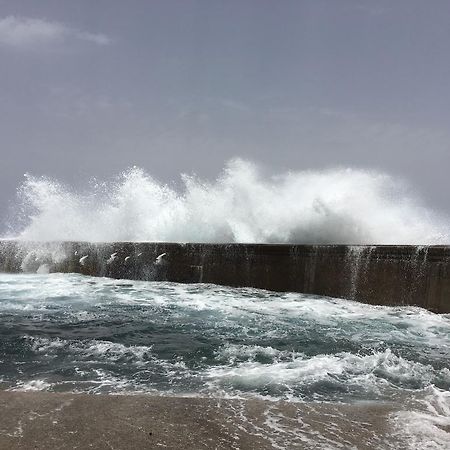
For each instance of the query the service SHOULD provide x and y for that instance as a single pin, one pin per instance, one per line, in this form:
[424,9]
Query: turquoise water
[69,332]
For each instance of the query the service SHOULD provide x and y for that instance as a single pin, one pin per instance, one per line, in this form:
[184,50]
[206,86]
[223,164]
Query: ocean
[296,370]
[73,333]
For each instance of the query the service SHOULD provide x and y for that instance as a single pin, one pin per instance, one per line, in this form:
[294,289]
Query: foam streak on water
[242,205]
[74,333]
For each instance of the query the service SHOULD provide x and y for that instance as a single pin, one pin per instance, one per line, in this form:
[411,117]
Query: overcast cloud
[91,88]
[26,32]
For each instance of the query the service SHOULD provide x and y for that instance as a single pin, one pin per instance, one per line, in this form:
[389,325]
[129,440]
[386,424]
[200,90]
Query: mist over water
[242,205]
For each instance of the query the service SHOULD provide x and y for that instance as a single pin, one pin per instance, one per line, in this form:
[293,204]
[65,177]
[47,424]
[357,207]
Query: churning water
[243,205]
[73,333]
[67,332]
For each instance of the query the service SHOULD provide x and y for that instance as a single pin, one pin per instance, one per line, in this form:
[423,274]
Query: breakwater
[383,275]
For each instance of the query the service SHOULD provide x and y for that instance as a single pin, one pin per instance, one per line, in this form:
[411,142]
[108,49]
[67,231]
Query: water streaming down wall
[384,275]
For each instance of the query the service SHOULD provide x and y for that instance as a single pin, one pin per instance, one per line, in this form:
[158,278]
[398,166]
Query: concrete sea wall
[382,275]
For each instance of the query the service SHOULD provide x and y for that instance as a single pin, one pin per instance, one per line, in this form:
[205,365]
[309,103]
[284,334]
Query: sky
[181,86]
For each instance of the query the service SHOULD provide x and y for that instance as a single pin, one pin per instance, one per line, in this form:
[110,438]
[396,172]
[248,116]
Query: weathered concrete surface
[39,420]
[384,275]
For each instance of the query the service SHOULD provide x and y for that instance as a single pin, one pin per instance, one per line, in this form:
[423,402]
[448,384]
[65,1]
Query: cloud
[23,32]
[99,39]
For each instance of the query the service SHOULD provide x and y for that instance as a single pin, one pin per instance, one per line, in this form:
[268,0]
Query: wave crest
[243,205]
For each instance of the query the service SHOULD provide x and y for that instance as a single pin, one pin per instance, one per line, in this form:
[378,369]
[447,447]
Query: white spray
[323,207]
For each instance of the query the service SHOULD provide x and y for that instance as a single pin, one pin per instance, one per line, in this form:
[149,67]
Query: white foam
[242,205]
[43,269]
[96,349]
[233,352]
[39,256]
[369,373]
[426,423]
[32,385]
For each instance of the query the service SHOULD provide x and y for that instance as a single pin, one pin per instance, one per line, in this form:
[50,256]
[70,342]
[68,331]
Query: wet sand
[42,420]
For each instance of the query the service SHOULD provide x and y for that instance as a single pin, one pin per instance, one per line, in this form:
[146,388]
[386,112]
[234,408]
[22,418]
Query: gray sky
[93,87]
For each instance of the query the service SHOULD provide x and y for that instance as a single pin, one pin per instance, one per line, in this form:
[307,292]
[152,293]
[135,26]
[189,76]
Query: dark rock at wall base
[381,275]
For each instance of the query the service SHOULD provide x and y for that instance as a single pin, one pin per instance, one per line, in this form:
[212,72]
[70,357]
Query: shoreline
[46,420]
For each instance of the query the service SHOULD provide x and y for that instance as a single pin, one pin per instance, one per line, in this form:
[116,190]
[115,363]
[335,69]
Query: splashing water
[242,205]
[334,359]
